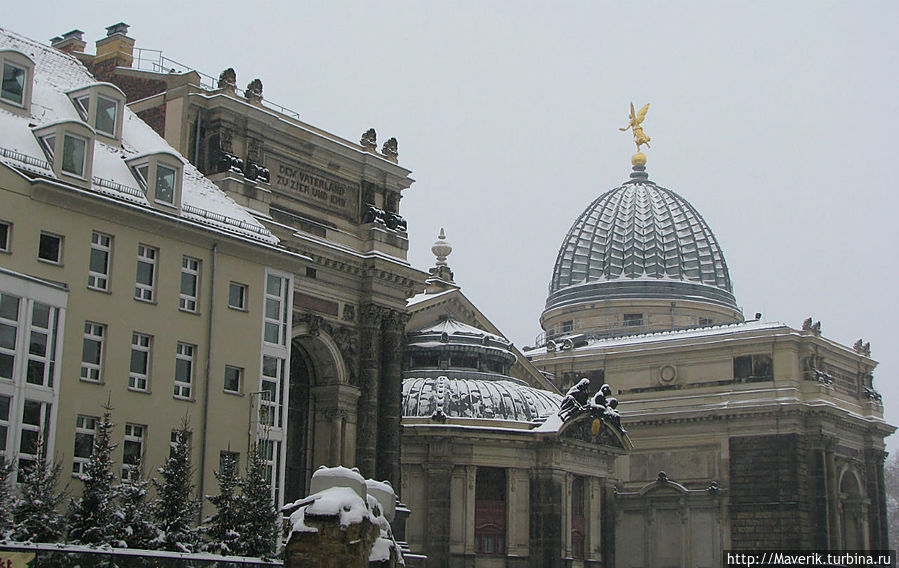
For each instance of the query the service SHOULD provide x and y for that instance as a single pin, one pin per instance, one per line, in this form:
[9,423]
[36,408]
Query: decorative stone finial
[254,91]
[389,149]
[442,249]
[369,140]
[228,80]
[635,121]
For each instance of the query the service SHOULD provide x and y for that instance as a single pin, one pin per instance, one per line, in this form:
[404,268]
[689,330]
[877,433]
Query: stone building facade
[493,476]
[749,435]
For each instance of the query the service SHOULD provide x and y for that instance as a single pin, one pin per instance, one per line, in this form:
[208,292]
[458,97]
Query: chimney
[116,46]
[70,42]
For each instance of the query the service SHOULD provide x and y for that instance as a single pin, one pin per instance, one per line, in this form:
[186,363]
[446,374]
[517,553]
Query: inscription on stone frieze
[316,187]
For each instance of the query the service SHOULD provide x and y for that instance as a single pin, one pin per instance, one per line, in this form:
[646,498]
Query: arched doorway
[321,420]
[298,466]
[853,512]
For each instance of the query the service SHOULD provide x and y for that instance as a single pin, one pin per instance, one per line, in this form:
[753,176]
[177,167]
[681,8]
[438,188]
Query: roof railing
[154,60]
[24,158]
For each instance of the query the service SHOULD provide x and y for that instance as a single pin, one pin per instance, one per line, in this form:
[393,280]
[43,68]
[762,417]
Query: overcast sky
[776,120]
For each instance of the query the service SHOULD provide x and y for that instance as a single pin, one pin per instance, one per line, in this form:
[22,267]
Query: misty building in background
[748,434]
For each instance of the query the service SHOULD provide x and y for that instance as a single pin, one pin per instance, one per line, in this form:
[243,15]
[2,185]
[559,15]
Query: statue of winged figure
[634,123]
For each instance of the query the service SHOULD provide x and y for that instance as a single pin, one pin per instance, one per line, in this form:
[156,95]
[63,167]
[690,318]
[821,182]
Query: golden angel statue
[634,122]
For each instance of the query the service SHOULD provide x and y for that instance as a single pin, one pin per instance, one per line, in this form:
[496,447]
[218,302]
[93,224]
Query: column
[369,378]
[594,545]
[393,331]
[518,524]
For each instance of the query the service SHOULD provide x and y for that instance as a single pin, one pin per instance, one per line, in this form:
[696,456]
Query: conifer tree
[92,517]
[35,516]
[259,520]
[7,500]
[175,508]
[135,526]
[222,527]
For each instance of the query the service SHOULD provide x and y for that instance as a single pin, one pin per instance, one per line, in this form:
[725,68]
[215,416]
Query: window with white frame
[74,152]
[139,373]
[159,175]
[233,379]
[190,278]
[49,248]
[271,387]
[271,455]
[85,431]
[15,78]
[9,328]
[237,296]
[35,421]
[226,456]
[184,369]
[133,450]
[69,147]
[145,282]
[101,105]
[176,438]
[5,406]
[275,326]
[98,267]
[5,236]
[41,345]
[92,351]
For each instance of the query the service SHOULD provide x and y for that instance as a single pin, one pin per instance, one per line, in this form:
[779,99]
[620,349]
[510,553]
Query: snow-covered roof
[454,327]
[419,298]
[480,396]
[55,75]
[671,335]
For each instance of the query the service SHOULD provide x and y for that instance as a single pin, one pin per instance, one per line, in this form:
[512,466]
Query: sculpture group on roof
[602,405]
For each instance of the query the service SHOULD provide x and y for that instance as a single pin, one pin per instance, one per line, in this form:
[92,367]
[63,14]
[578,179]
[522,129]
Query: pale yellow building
[127,277]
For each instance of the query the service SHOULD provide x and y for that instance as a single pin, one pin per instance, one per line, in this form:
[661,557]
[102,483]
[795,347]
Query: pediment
[582,428]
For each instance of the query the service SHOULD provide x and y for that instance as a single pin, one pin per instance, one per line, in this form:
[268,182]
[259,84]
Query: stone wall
[770,497]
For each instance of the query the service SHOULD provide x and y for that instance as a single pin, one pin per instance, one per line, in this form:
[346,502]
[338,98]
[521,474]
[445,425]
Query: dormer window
[15,82]
[69,146]
[101,105]
[13,88]
[159,175]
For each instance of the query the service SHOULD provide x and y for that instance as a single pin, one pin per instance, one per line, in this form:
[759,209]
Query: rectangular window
[74,150]
[98,269]
[133,450]
[190,276]
[139,374]
[184,369]
[165,184]
[633,319]
[106,116]
[92,351]
[174,440]
[49,144]
[753,367]
[5,403]
[50,248]
[35,420]
[271,397]
[567,326]
[705,321]
[85,430]
[578,517]
[237,296]
[9,329]
[233,457]
[41,345]
[490,511]
[233,378]
[145,281]
[271,455]
[5,236]
[13,86]
[275,325]
[83,106]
